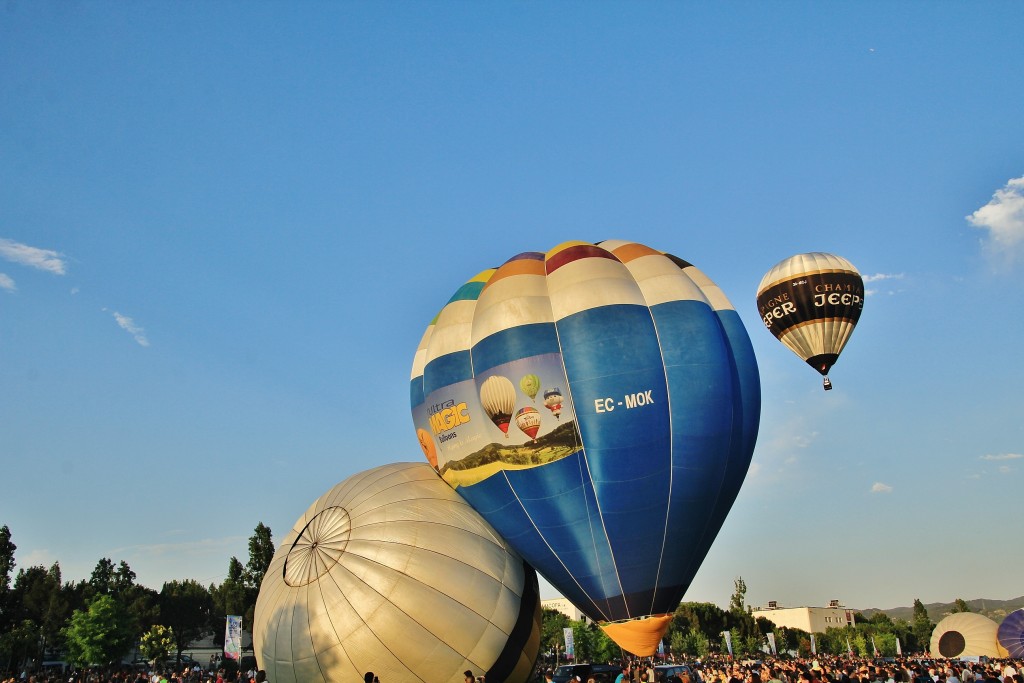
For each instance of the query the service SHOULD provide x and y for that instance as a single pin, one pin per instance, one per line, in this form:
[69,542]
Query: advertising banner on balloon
[810,297]
[516,416]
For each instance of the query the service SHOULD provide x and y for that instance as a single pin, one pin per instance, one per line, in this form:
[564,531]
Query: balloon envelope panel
[652,397]
[1011,633]
[390,571]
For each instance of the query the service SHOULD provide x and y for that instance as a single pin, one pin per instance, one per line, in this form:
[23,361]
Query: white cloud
[804,440]
[1003,217]
[34,257]
[37,557]
[129,326]
[6,282]
[205,546]
[882,276]
[1005,469]
[879,487]
[1003,456]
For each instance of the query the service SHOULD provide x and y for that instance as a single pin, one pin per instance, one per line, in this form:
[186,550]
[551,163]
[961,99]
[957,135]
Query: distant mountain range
[995,610]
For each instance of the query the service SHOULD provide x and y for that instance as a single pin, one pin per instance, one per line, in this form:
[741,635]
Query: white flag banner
[728,641]
[874,648]
[569,643]
[849,648]
[814,648]
[771,644]
[899,648]
[233,638]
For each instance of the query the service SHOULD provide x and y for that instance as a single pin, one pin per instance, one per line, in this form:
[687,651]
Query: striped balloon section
[619,497]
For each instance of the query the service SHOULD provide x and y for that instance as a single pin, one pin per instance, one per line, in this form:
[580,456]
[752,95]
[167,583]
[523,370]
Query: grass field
[468,477]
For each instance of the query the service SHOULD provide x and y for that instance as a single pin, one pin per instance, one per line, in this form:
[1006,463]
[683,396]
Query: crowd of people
[718,669]
[189,674]
[818,669]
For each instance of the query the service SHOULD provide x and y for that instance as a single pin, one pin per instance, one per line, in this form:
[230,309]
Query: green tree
[102,579]
[860,645]
[592,644]
[261,552]
[38,596]
[231,597]
[19,644]
[960,606]
[737,601]
[692,643]
[706,617]
[885,641]
[142,606]
[185,607]
[7,549]
[123,579]
[921,626]
[99,635]
[552,623]
[735,639]
[156,643]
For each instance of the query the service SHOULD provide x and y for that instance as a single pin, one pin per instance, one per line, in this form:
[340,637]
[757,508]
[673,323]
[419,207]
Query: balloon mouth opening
[823,362]
[639,636]
[318,547]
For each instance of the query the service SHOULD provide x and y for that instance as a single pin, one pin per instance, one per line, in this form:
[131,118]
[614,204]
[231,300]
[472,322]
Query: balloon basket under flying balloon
[827,384]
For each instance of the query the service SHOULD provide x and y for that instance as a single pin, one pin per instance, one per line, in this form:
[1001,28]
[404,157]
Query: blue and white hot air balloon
[616,498]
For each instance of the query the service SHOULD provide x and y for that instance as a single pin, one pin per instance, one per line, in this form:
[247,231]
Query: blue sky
[224,227]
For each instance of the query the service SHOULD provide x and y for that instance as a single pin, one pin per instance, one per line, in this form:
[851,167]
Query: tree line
[106,617]
[102,620]
[696,631]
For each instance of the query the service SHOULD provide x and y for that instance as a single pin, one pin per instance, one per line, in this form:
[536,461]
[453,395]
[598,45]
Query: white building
[809,619]
[565,607]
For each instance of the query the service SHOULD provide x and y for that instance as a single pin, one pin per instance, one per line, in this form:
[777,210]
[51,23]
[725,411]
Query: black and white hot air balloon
[811,303]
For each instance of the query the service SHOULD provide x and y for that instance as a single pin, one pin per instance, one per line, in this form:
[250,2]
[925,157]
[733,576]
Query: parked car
[602,673]
[670,670]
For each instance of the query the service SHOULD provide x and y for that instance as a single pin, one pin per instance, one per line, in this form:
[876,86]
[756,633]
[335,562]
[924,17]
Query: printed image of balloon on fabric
[651,407]
[428,447]
[530,384]
[484,425]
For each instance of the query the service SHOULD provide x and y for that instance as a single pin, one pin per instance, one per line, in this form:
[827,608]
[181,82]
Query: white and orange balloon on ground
[811,303]
[616,491]
[966,634]
[392,572]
